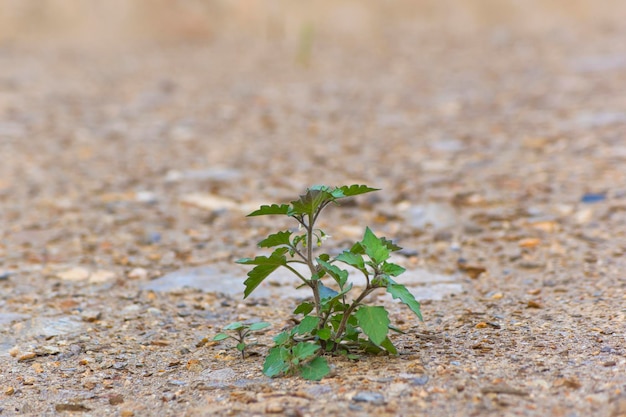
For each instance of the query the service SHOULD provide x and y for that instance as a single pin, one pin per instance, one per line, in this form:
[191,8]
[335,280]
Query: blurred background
[202,20]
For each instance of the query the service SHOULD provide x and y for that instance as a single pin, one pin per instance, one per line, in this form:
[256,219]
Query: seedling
[336,319]
[238,332]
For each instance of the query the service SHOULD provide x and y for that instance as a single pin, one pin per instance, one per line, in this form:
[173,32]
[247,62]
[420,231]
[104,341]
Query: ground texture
[501,151]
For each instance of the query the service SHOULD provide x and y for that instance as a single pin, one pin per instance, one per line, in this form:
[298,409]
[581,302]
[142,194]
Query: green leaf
[236,325]
[276,239]
[392,269]
[269,210]
[220,336]
[315,370]
[352,259]
[281,338]
[275,363]
[264,266]
[307,325]
[390,245]
[259,325]
[241,347]
[399,291]
[355,189]
[324,333]
[388,346]
[339,275]
[304,308]
[374,322]
[304,350]
[308,203]
[374,248]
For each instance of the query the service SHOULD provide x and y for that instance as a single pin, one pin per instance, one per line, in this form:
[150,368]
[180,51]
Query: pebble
[369,397]
[138,273]
[74,274]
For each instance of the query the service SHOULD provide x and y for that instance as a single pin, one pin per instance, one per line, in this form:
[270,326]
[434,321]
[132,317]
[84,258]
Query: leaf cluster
[238,331]
[336,319]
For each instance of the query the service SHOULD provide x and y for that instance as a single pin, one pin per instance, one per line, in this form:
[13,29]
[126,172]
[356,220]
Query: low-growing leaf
[315,370]
[269,210]
[275,363]
[388,346]
[236,325]
[281,338]
[220,336]
[399,291]
[324,333]
[276,239]
[304,308]
[374,322]
[304,350]
[241,346]
[307,325]
[259,325]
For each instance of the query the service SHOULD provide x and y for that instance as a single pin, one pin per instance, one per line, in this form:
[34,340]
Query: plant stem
[346,315]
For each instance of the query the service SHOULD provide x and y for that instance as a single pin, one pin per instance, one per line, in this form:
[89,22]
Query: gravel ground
[501,155]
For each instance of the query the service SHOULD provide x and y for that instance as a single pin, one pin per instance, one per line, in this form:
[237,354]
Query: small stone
[138,273]
[274,407]
[26,356]
[533,304]
[529,242]
[420,380]
[369,397]
[127,413]
[9,391]
[90,315]
[74,274]
[70,407]
[101,276]
[116,399]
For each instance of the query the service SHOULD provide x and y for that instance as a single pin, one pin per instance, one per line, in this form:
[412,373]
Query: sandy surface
[500,149]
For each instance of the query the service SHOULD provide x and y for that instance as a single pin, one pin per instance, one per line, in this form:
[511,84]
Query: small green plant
[239,331]
[335,320]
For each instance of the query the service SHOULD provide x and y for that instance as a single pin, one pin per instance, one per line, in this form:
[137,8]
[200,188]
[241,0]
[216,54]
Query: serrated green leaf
[374,322]
[304,308]
[324,333]
[220,336]
[281,338]
[355,189]
[270,210]
[236,325]
[276,239]
[307,325]
[374,248]
[357,248]
[304,350]
[275,363]
[259,325]
[388,346]
[390,245]
[392,269]
[309,202]
[265,265]
[339,275]
[352,259]
[315,370]
[399,291]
